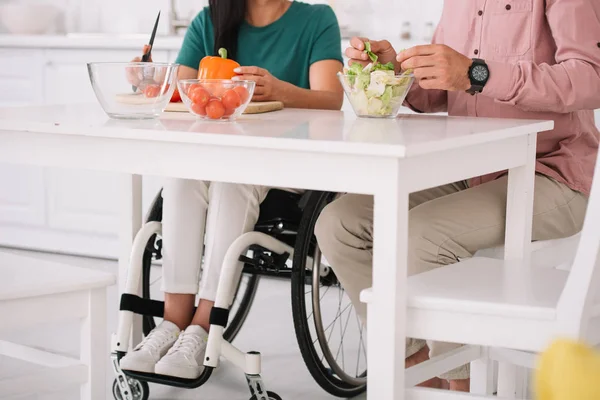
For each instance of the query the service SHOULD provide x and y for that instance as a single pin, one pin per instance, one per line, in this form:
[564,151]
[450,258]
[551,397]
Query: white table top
[291,129]
[22,277]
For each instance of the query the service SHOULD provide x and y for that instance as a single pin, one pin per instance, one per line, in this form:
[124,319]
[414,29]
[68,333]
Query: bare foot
[417,358]
[460,385]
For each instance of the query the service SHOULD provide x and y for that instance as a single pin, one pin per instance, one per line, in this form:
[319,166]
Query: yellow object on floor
[568,371]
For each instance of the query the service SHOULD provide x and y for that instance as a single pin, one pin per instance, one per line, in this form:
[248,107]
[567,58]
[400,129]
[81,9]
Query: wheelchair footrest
[171,380]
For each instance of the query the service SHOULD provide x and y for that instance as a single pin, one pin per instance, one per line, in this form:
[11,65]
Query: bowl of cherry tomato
[216,99]
[133,90]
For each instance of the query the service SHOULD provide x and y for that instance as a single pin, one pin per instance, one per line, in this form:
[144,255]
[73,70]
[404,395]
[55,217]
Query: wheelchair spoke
[343,333]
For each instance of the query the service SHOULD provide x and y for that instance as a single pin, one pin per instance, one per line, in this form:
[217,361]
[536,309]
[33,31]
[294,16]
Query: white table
[318,150]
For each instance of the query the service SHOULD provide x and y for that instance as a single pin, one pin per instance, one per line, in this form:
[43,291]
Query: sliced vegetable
[217,67]
[176,98]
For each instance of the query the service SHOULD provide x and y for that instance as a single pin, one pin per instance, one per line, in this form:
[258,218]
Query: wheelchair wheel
[140,390]
[330,335]
[152,275]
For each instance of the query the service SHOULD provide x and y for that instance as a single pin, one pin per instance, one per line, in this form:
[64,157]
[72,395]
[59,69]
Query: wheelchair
[283,246]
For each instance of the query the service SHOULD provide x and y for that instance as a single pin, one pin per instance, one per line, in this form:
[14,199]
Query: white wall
[375,18]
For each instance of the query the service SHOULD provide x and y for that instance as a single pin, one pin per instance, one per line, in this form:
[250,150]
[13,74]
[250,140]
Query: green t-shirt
[286,48]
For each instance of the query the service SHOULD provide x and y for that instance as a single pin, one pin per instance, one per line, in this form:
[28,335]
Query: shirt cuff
[501,82]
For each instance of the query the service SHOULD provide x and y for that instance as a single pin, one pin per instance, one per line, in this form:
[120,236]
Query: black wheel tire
[272,396]
[304,246]
[142,393]
[235,321]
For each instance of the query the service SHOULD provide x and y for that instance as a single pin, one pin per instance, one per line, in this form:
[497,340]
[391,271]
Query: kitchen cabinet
[51,209]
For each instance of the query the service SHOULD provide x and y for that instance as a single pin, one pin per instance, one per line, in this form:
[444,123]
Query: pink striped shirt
[544,61]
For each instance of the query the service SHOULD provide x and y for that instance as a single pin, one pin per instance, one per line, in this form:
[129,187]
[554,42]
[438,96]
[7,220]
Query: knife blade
[146,57]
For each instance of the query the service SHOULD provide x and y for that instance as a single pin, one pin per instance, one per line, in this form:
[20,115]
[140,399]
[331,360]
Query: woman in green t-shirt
[292,51]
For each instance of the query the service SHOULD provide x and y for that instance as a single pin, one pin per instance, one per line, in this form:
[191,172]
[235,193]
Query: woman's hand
[134,75]
[382,49]
[437,67]
[268,88]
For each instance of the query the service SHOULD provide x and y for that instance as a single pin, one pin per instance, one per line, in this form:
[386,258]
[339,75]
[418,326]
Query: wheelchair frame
[217,346]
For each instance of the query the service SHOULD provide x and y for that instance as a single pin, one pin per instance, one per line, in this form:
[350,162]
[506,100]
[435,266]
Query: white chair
[35,292]
[506,311]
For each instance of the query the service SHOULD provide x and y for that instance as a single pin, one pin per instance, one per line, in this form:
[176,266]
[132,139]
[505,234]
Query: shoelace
[154,340]
[187,343]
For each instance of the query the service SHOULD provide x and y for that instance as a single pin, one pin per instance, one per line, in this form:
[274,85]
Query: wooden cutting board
[140,99]
[253,108]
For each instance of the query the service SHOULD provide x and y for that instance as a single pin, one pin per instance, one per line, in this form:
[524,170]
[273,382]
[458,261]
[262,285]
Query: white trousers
[203,218]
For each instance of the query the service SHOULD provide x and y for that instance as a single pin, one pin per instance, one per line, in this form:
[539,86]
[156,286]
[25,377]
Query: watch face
[480,73]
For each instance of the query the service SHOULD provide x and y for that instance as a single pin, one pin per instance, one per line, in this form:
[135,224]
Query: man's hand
[437,67]
[382,48]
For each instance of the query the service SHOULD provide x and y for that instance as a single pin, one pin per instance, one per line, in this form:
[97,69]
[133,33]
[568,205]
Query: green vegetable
[375,90]
[368,51]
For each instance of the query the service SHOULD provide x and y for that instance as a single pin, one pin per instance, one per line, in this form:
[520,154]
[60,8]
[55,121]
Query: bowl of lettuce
[375,90]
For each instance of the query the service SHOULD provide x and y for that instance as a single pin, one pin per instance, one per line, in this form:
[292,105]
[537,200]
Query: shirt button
[508,7]
[476,52]
[480,13]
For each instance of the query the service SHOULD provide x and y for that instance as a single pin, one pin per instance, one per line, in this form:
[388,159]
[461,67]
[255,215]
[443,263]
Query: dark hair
[227,17]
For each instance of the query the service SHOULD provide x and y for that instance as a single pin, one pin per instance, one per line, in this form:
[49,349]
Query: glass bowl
[130,90]
[380,97]
[216,99]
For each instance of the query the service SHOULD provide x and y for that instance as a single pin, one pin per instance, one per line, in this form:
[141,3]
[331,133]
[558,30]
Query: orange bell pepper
[217,67]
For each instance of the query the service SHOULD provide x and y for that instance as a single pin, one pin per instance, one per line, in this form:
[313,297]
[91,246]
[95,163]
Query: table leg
[386,316]
[519,219]
[94,346]
[130,224]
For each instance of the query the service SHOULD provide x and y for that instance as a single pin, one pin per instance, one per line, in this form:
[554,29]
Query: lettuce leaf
[368,51]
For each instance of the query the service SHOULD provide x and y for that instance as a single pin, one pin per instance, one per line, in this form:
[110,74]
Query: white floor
[268,329]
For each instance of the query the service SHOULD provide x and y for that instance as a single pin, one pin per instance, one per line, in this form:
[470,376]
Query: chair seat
[489,286]
[24,277]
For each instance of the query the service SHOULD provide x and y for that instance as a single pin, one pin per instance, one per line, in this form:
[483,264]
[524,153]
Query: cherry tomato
[215,109]
[243,93]
[193,87]
[176,98]
[229,112]
[231,99]
[152,91]
[198,109]
[199,96]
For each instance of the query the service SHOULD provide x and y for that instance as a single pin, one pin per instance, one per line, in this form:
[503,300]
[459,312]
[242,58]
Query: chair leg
[94,346]
[482,376]
[507,380]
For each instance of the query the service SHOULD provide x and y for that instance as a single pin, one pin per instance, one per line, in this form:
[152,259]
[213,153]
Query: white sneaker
[145,355]
[186,357]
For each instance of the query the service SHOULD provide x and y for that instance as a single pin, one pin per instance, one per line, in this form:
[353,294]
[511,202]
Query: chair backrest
[583,285]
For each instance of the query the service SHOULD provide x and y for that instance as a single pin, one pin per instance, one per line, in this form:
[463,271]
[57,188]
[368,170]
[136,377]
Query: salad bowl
[376,92]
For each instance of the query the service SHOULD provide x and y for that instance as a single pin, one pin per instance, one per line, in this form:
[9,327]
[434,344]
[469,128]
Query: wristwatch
[479,74]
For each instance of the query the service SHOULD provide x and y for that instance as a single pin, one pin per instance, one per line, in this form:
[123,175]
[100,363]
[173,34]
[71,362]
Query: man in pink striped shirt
[532,59]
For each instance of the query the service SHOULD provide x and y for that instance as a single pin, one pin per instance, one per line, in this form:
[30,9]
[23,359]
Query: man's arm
[570,85]
[428,101]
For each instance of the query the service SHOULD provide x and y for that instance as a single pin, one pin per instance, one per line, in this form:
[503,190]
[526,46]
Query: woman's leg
[233,211]
[185,203]
[184,215]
